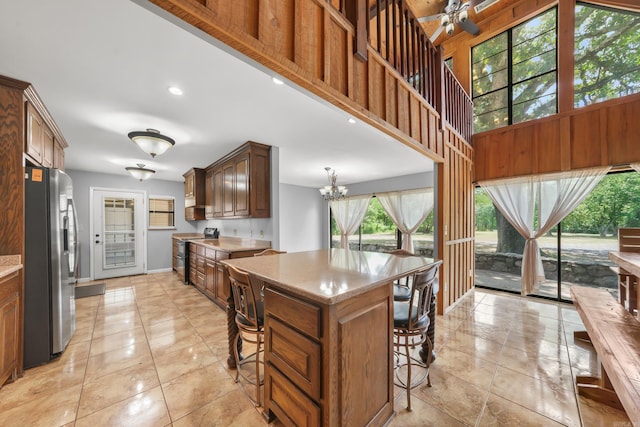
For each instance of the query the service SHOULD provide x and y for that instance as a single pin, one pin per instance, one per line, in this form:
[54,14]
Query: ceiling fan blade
[435,35]
[430,18]
[469,27]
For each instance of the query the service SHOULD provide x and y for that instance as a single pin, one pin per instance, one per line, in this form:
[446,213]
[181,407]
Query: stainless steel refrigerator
[49,265]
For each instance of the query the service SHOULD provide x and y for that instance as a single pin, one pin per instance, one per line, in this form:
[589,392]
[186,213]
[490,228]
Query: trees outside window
[607,54]
[514,74]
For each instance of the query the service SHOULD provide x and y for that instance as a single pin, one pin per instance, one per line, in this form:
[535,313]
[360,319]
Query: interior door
[118,233]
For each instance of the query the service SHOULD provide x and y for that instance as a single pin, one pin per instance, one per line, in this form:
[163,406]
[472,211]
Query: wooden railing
[396,34]
[458,107]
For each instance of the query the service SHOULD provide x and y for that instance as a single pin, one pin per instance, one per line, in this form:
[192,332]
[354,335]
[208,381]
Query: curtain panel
[349,213]
[407,209]
[552,197]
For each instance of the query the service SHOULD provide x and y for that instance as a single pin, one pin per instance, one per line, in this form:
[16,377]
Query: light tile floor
[152,352]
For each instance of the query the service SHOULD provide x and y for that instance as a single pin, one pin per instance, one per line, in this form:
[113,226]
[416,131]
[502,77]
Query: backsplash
[253,228]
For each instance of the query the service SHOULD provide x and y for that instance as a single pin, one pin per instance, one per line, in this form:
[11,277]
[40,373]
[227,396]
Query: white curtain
[407,209]
[555,196]
[348,213]
[636,166]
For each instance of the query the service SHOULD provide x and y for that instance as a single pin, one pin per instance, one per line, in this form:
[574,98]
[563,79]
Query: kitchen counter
[233,244]
[9,264]
[330,276]
[187,236]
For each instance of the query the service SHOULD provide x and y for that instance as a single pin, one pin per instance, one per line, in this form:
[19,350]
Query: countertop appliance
[51,255]
[211,233]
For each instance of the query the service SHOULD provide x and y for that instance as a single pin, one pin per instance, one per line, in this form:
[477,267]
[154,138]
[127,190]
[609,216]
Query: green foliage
[614,203]
[485,212]
[607,54]
[376,219]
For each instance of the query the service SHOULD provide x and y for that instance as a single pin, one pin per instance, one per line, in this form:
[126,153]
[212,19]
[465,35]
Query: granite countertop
[9,264]
[187,236]
[329,276]
[233,244]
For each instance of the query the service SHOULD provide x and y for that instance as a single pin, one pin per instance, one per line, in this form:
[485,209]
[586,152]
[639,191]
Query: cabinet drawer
[295,355]
[307,316]
[210,253]
[200,250]
[288,403]
[222,255]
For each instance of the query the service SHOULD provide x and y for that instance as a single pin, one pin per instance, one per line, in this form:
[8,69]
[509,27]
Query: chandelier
[152,141]
[332,191]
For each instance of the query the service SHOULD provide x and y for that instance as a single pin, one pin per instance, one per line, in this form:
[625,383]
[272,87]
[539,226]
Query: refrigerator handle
[75,236]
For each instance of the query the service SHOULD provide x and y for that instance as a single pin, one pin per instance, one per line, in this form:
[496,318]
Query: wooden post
[356,12]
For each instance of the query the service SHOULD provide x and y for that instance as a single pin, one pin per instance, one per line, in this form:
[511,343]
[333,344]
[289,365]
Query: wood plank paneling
[276,26]
[337,54]
[603,134]
[309,42]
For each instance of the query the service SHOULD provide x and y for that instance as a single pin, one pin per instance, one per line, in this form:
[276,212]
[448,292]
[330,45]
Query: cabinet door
[189,199]
[58,156]
[218,189]
[35,127]
[210,278]
[241,185]
[9,338]
[208,195]
[47,147]
[227,190]
[222,285]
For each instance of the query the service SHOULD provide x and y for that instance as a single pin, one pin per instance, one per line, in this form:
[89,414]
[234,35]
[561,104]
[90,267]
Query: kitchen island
[328,334]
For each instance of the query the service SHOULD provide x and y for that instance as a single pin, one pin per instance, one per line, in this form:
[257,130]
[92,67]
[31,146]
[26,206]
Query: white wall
[302,224]
[158,241]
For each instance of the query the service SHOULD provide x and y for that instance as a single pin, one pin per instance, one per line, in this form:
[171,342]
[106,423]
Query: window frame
[150,211]
[510,83]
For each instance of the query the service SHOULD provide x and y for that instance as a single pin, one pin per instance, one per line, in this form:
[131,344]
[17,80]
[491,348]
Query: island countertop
[329,276]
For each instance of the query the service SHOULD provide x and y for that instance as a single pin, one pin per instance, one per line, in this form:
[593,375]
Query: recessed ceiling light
[175,90]
[277,81]
[351,120]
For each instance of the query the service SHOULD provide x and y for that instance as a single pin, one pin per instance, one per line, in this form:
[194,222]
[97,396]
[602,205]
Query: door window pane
[119,233]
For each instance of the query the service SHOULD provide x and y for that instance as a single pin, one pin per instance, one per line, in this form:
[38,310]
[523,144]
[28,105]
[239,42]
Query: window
[607,48]
[378,233]
[514,74]
[161,212]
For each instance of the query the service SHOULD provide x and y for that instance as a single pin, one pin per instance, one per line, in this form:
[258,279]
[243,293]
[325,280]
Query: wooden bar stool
[250,322]
[402,287]
[410,324]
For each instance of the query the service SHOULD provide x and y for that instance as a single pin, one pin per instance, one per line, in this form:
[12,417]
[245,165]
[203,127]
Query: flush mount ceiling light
[140,172]
[175,90]
[332,191]
[152,141]
[277,81]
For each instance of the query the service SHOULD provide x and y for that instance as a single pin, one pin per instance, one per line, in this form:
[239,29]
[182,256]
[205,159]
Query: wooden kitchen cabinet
[58,155]
[194,194]
[242,183]
[10,342]
[42,146]
[35,129]
[208,194]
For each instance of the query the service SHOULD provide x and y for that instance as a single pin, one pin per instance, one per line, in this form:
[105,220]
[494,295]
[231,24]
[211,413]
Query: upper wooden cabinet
[194,194]
[242,183]
[42,146]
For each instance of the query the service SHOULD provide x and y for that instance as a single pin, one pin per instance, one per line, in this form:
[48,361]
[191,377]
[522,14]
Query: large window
[514,74]
[607,54]
[573,253]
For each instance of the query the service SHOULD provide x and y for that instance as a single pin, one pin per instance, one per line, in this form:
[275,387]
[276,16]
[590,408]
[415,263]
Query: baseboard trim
[160,270]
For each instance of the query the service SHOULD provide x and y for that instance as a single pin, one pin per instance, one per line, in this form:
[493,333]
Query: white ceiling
[103,69]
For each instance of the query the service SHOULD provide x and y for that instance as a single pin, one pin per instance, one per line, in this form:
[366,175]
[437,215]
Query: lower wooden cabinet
[10,341]
[329,364]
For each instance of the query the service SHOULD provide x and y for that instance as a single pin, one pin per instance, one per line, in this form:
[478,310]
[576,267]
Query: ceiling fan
[455,12]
